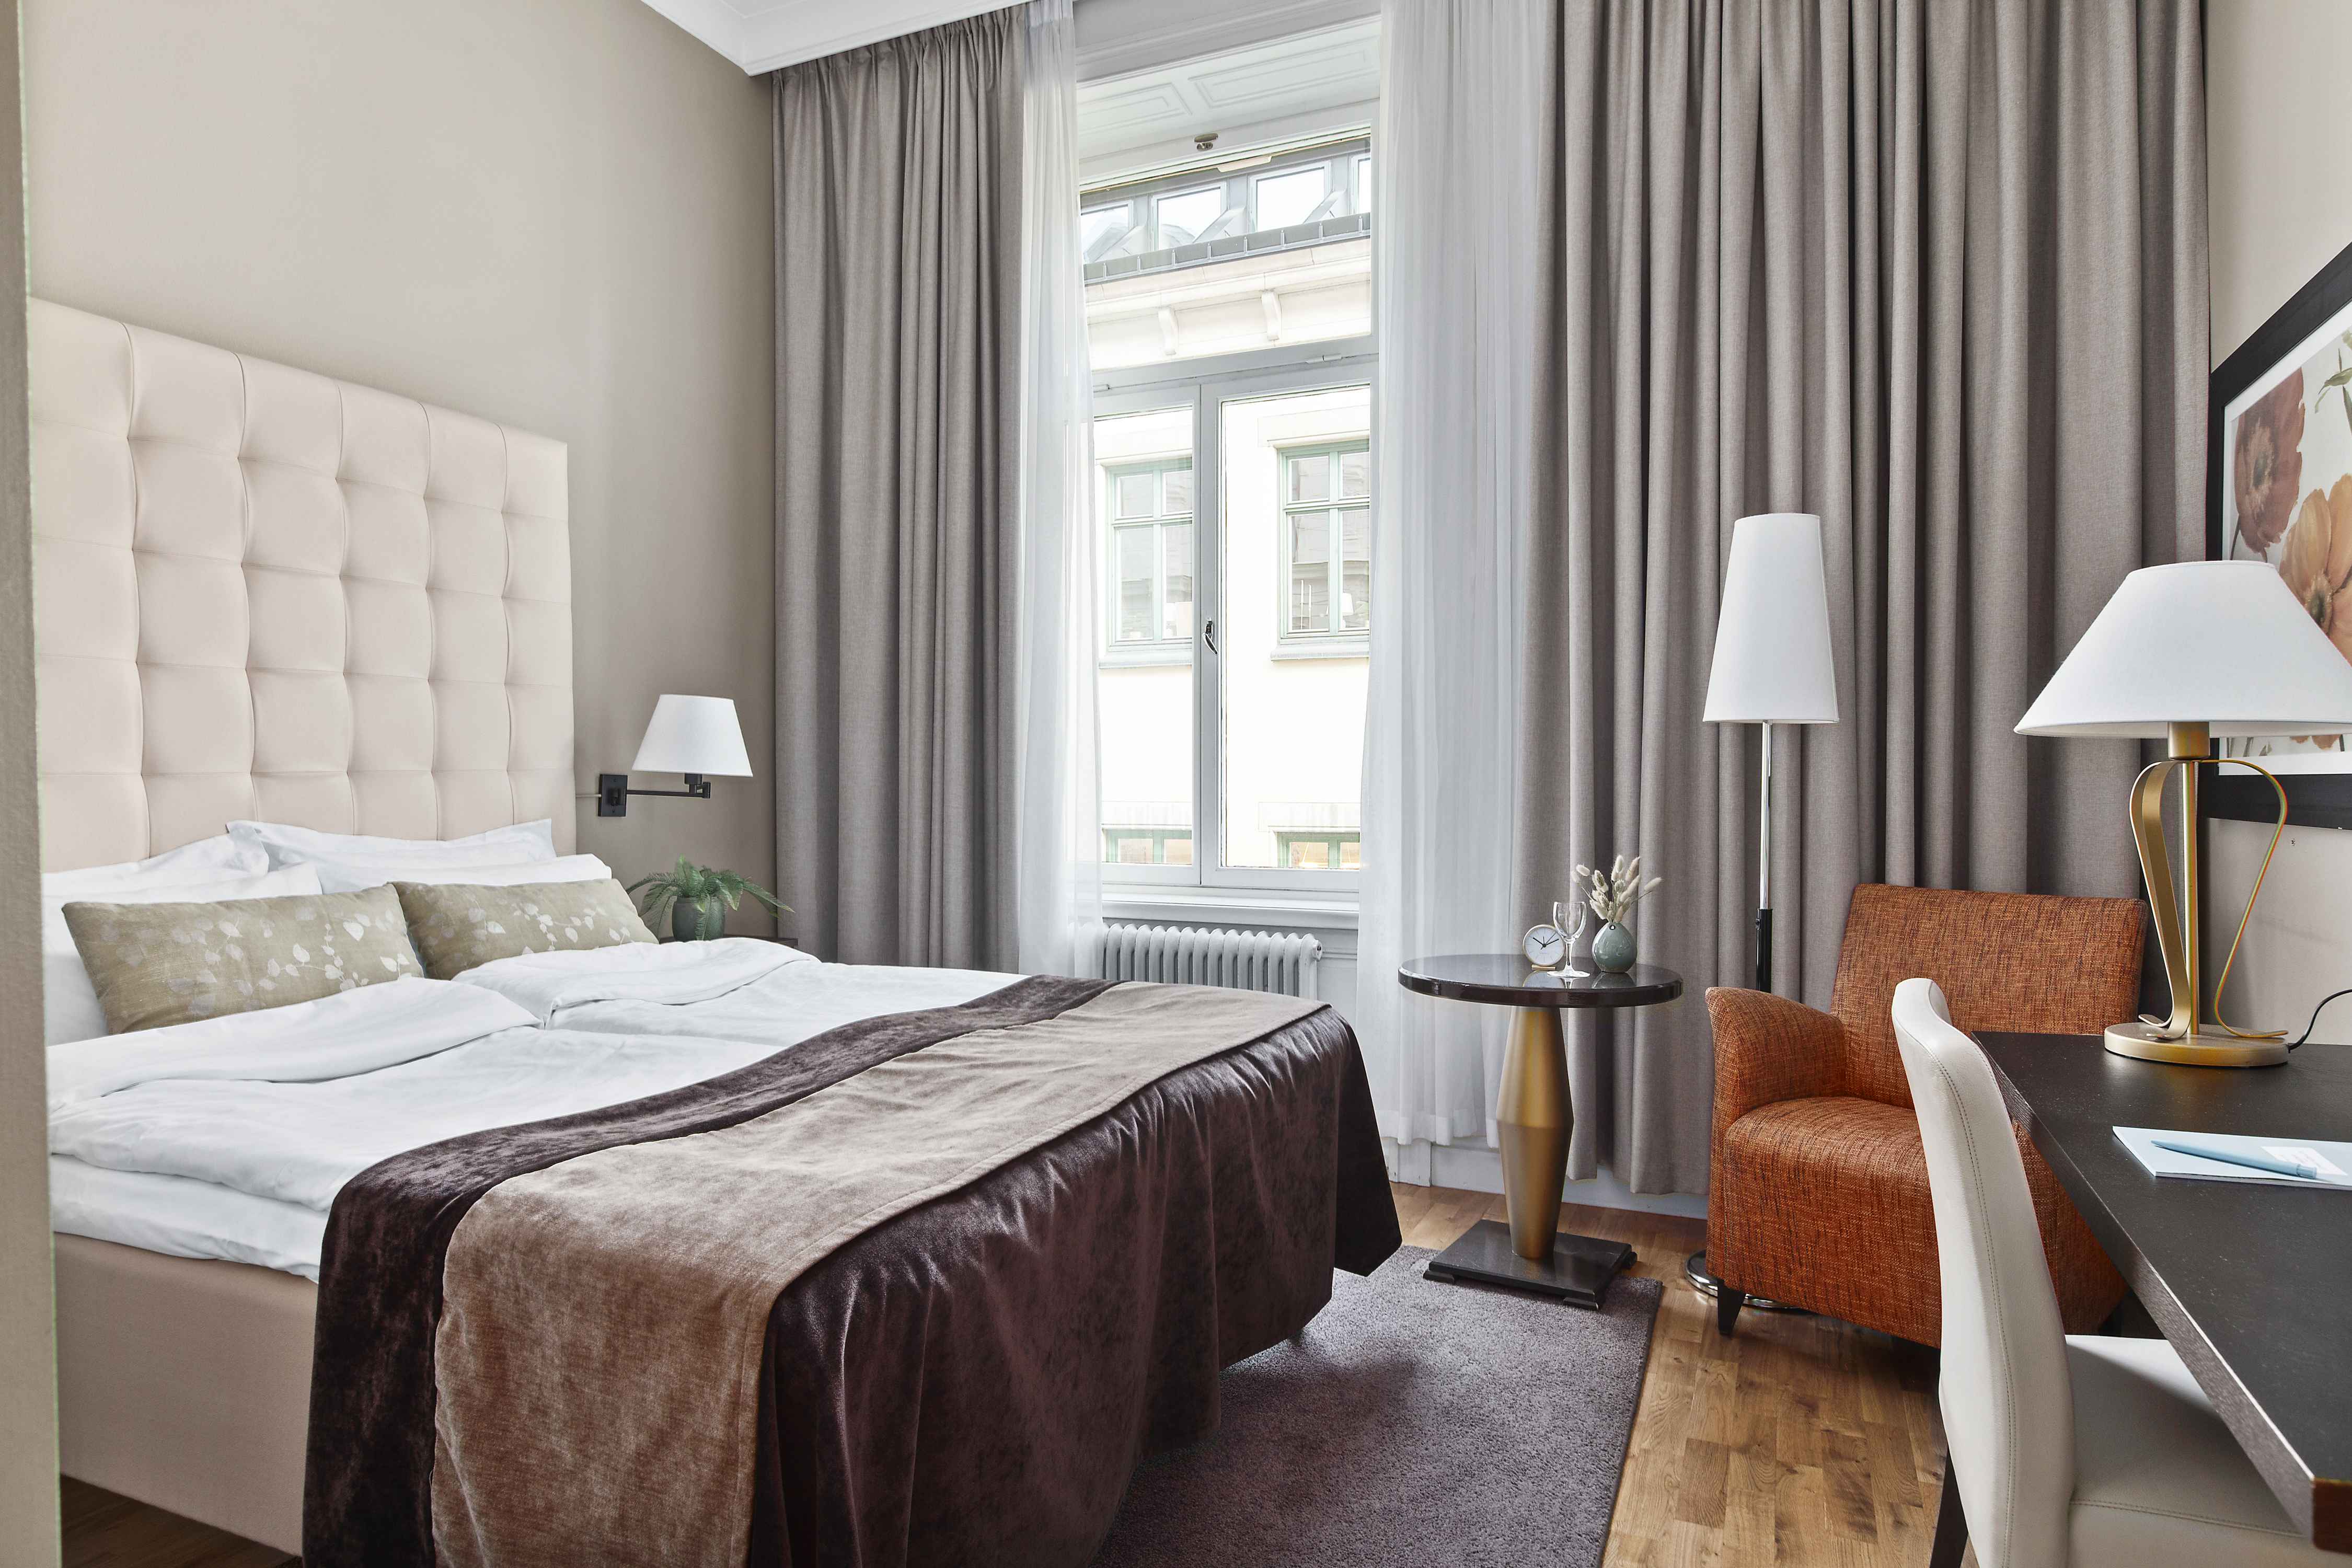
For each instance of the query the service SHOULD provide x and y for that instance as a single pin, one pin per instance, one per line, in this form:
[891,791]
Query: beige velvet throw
[599,1347]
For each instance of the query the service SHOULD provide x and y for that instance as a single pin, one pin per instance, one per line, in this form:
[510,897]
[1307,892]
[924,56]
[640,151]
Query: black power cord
[2323,1001]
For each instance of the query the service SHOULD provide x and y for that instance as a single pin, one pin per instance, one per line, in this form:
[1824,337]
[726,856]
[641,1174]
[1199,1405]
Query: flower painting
[2286,498]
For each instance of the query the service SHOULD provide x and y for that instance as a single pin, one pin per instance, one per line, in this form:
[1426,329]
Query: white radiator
[1279,961]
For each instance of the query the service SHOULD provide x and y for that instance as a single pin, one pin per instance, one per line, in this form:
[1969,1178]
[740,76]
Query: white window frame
[1204,385]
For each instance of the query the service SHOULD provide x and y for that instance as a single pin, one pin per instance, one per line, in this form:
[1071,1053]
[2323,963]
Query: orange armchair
[1817,1185]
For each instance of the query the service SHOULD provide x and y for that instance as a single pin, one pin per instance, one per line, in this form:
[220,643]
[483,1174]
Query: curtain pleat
[898,355]
[1935,273]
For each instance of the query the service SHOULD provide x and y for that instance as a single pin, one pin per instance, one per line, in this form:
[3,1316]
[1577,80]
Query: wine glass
[1572,918]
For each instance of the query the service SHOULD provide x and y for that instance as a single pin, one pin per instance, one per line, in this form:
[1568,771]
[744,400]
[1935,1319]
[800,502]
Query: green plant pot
[1612,948]
[685,918]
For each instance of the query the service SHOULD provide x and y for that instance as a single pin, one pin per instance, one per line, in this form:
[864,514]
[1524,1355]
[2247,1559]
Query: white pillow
[339,875]
[70,1009]
[287,845]
[219,855]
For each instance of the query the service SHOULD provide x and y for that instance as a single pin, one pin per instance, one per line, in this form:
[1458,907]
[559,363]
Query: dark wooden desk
[2251,1284]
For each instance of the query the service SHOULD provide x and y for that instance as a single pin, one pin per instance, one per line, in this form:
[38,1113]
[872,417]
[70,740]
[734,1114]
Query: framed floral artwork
[2278,488]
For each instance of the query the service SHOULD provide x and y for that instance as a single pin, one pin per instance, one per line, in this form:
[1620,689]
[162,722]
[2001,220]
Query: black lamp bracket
[613,792]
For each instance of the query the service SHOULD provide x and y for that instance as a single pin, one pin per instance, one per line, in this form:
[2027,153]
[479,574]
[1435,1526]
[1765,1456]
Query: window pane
[1310,572]
[1177,484]
[1135,585]
[1134,494]
[1363,184]
[1285,199]
[1100,229]
[1311,478]
[1355,570]
[1292,762]
[1176,553]
[1145,712]
[1356,473]
[1182,219]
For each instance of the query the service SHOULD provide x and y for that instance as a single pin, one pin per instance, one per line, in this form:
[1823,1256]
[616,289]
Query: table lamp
[696,736]
[1772,662]
[2184,653]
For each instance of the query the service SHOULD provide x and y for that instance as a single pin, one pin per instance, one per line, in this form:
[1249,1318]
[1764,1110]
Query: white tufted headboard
[264,593]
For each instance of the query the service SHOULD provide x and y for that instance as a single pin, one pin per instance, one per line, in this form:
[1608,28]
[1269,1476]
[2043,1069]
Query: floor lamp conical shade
[2185,652]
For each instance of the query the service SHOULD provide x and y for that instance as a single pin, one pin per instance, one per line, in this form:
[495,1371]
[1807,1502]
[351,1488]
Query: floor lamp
[1772,666]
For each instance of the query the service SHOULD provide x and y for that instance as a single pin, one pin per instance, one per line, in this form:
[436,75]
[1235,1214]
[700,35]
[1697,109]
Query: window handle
[1209,635]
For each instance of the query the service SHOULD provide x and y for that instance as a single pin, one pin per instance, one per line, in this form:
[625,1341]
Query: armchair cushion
[1828,1199]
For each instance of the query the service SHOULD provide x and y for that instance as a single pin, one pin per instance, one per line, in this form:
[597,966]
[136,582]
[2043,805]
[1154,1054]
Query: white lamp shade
[1772,644]
[2222,643]
[694,735]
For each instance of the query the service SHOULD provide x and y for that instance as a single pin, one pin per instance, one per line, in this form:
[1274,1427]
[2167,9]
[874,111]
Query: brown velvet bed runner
[692,1272]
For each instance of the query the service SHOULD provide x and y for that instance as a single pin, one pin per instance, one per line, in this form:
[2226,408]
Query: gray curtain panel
[898,433]
[1936,273]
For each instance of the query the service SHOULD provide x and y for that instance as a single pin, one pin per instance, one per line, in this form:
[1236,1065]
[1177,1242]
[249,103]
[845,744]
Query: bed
[266,595]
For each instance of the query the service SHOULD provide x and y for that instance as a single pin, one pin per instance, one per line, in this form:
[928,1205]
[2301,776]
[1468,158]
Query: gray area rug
[1413,1423]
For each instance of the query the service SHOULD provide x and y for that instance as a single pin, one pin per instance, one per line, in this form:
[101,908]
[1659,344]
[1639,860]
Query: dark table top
[2251,1284]
[1507,979]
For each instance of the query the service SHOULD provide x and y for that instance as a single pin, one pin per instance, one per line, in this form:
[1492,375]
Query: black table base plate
[1578,1272]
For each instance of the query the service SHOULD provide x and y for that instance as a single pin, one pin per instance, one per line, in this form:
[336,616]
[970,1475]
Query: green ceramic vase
[1612,948]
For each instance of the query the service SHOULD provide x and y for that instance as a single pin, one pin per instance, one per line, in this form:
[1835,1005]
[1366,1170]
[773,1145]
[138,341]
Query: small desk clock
[1545,946]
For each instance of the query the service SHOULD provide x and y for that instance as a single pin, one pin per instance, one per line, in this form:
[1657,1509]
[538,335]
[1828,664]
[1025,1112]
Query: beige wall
[28,1382]
[2281,208]
[552,213]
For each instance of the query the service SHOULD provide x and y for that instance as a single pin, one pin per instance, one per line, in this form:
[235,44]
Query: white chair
[2066,1450]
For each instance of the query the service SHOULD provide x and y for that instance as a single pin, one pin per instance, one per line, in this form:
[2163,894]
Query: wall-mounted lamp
[696,736]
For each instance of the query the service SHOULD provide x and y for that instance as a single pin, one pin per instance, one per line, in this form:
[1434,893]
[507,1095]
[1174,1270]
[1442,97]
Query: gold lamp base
[2182,1039]
[2147,1043]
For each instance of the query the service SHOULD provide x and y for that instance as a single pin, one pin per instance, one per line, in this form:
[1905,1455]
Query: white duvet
[734,989]
[230,1138]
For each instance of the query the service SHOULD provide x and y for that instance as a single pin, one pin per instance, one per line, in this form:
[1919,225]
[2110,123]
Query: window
[1236,517]
[1327,542]
[1151,507]
[1228,258]
[1229,321]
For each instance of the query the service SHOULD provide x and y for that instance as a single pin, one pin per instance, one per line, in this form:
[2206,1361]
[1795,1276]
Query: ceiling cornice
[785,35]
[1116,38]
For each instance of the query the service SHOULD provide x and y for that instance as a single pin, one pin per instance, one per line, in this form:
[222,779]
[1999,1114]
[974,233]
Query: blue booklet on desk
[2270,1162]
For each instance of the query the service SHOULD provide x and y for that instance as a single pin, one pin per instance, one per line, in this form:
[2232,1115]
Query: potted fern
[696,899]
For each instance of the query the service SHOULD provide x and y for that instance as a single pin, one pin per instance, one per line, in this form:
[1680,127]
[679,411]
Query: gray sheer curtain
[898,229]
[1935,272]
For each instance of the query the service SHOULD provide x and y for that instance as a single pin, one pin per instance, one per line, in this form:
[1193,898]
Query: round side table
[1535,1116]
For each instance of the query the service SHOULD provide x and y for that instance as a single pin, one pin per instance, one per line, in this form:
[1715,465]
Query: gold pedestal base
[1535,1119]
[2140,1041]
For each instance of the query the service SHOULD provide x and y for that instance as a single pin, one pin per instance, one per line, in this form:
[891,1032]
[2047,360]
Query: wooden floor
[1798,1441]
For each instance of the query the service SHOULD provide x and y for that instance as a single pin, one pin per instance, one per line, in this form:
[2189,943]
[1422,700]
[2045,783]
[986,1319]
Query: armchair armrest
[1769,1049]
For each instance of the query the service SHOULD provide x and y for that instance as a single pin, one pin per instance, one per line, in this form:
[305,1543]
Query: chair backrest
[2029,961]
[2009,1411]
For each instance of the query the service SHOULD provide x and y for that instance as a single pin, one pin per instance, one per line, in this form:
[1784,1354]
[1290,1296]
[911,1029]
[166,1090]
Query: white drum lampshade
[694,735]
[1772,662]
[2183,653]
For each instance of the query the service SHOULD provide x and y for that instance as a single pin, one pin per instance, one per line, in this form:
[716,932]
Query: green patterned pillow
[155,964]
[460,927]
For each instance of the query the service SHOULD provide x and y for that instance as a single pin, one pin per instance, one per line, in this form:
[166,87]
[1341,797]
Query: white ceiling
[1156,72]
[761,34]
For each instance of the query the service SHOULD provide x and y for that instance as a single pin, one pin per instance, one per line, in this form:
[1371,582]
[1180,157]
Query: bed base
[186,1382]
